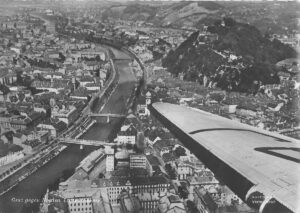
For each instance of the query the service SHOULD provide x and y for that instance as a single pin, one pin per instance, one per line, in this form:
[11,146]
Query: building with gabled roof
[171,203]
[54,126]
[204,202]
[138,186]
[54,85]
[130,203]
[127,134]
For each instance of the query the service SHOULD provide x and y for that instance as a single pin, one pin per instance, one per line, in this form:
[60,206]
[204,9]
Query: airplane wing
[261,167]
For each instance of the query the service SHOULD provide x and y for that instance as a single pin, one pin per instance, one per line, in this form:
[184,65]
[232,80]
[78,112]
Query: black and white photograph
[149,106]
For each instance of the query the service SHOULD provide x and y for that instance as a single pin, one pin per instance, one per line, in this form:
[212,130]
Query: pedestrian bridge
[85,142]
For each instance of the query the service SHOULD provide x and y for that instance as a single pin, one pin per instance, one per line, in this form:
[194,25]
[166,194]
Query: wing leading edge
[262,167]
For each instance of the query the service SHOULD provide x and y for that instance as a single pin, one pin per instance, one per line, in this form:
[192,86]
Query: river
[35,186]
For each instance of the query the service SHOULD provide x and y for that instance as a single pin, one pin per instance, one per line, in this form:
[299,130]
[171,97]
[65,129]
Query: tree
[191,206]
[140,141]
[179,151]
[218,23]
[183,193]
[168,167]
[115,147]
[136,149]
[98,58]
[13,99]
[170,171]
[62,58]
[21,96]
[19,78]
[129,146]
[229,22]
[27,81]
[4,89]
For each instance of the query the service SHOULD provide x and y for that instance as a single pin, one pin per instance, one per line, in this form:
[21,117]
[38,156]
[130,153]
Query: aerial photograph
[149,106]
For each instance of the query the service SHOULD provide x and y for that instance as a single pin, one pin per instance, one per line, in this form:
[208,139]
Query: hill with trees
[230,55]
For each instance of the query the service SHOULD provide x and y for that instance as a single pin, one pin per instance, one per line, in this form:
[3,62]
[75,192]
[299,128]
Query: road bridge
[107,115]
[85,142]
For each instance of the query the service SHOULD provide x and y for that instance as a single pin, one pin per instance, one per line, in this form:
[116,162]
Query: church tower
[148,98]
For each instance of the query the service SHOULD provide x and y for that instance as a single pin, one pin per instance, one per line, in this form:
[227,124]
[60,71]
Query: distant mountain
[175,14]
[268,17]
[130,12]
[185,13]
[232,56]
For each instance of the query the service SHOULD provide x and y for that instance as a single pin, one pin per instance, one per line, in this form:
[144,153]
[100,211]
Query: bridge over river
[85,142]
[111,115]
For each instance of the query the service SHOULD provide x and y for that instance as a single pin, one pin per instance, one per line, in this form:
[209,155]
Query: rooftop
[89,162]
[206,199]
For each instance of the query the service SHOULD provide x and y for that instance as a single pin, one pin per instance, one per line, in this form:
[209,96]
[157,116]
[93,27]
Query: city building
[65,113]
[110,159]
[147,190]
[204,202]
[202,181]
[171,203]
[93,54]
[11,157]
[246,111]
[148,98]
[143,103]
[53,126]
[80,204]
[20,139]
[136,185]
[54,85]
[130,203]
[228,108]
[20,122]
[227,197]
[94,87]
[184,170]
[129,194]
[7,77]
[140,161]
[127,135]
[81,93]
[87,165]
[84,80]
[74,197]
